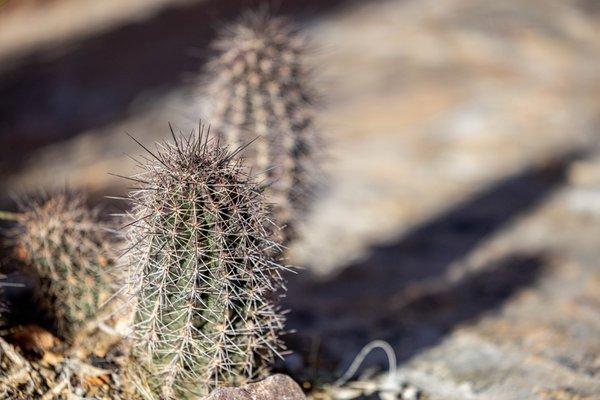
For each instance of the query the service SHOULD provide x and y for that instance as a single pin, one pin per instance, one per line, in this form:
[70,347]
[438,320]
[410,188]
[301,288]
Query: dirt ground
[459,218]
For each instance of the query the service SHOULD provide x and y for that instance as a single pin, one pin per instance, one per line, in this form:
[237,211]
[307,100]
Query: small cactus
[258,85]
[202,277]
[66,244]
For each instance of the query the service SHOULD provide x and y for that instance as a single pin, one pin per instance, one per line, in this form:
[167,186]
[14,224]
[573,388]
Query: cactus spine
[259,86]
[201,272]
[66,244]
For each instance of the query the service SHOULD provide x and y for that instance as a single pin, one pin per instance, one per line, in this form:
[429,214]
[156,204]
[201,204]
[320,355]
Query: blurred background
[460,218]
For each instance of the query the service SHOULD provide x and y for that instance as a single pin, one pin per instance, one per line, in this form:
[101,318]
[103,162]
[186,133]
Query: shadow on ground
[400,293]
[57,93]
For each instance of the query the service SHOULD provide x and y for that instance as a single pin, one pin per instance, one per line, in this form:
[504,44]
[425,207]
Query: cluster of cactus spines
[67,245]
[260,87]
[202,275]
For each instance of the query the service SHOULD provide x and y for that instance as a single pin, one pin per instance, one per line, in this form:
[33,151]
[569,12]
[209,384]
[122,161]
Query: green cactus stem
[201,275]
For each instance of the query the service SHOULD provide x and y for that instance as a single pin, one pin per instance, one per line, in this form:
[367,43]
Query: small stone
[276,387]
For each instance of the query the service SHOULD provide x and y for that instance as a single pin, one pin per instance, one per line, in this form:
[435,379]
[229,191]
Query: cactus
[66,244]
[259,86]
[202,274]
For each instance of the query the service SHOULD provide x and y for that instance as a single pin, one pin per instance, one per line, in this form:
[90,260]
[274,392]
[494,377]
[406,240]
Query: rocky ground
[460,215]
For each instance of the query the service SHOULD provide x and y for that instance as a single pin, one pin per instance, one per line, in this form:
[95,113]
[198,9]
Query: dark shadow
[56,93]
[399,292]
[429,315]
[426,316]
[17,290]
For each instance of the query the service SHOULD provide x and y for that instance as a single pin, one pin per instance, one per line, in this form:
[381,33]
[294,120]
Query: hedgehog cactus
[66,244]
[202,276]
[259,86]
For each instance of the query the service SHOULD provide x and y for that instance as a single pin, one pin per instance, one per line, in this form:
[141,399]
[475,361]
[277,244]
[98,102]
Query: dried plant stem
[358,360]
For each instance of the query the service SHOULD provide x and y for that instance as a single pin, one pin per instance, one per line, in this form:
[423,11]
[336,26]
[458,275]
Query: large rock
[276,387]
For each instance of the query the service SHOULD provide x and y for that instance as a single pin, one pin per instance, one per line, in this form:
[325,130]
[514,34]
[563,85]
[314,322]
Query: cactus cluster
[259,86]
[202,273]
[201,239]
[66,244]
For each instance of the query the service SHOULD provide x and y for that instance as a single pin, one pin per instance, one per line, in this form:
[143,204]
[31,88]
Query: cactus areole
[201,275]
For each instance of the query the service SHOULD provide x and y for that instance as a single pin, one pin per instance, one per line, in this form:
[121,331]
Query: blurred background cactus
[259,86]
[201,273]
[66,244]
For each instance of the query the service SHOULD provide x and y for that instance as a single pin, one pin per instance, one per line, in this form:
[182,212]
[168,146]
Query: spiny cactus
[201,272]
[258,85]
[66,244]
